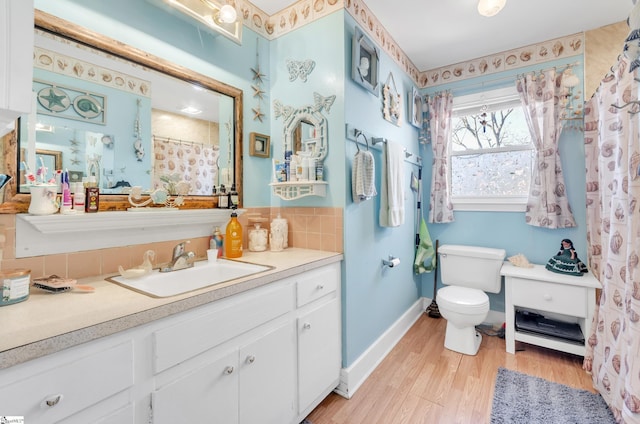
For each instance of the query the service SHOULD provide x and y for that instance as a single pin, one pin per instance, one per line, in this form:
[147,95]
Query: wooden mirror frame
[19,203]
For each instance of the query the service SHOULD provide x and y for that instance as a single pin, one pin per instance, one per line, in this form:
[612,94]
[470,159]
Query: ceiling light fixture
[191,110]
[216,15]
[490,8]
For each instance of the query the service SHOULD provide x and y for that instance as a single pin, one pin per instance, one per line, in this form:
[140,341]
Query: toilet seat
[463,300]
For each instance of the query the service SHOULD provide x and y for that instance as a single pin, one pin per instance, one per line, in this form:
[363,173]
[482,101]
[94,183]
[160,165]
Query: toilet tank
[471,266]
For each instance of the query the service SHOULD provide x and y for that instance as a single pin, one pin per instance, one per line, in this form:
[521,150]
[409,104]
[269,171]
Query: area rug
[520,398]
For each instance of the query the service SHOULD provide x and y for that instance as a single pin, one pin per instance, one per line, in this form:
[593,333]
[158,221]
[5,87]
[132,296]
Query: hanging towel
[391,185]
[425,253]
[363,182]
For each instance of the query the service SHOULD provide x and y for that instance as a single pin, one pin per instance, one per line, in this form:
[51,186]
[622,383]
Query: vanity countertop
[46,323]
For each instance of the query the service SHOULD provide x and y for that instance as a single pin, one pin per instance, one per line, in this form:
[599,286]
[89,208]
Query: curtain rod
[168,139]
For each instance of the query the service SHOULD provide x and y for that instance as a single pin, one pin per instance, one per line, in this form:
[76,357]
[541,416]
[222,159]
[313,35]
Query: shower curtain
[613,231]
[195,163]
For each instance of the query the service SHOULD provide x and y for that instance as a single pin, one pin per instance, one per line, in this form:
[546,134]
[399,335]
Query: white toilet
[468,272]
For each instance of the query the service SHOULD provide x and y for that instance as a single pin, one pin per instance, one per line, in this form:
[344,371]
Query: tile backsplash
[310,228]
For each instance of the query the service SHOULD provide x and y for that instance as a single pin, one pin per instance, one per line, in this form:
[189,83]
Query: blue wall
[316,41]
[507,230]
[375,297]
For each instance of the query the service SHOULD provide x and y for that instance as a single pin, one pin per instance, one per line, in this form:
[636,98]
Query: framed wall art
[259,145]
[392,102]
[70,103]
[415,108]
[365,62]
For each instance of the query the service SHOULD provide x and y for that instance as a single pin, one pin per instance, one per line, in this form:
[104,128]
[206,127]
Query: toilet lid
[470,300]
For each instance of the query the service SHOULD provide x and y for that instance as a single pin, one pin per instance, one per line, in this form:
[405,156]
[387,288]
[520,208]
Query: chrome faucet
[181,259]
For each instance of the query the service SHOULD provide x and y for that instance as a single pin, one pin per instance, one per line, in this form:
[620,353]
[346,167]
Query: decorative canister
[15,286]
[43,199]
[276,241]
[279,231]
[257,238]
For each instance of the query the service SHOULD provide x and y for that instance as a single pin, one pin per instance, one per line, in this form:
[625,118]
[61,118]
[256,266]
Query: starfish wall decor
[258,91]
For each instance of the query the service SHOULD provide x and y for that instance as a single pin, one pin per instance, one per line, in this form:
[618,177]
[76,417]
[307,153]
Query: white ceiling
[435,33]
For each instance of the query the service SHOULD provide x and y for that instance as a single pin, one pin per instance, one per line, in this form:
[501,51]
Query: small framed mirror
[306,131]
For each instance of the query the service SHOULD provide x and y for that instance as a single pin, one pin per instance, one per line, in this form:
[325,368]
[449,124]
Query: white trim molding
[352,378]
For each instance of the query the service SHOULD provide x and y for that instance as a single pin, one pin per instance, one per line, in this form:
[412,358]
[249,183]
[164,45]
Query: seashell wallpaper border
[67,65]
[306,11]
[558,48]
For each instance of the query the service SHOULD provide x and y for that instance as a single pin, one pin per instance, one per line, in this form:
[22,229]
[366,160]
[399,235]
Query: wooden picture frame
[416,104]
[259,145]
[365,62]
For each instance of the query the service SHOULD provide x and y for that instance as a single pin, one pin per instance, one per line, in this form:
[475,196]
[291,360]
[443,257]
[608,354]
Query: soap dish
[55,284]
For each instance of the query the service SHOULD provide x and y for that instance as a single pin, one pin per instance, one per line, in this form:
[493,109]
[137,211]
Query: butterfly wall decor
[300,69]
[322,102]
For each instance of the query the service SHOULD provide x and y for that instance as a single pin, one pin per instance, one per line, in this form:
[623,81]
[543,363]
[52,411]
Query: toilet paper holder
[391,262]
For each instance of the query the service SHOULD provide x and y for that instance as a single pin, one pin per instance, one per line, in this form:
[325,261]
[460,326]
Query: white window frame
[468,105]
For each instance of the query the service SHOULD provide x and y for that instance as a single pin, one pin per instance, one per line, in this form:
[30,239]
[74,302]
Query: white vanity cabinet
[248,385]
[86,384]
[252,383]
[319,342]
[16,56]
[266,355]
[269,355]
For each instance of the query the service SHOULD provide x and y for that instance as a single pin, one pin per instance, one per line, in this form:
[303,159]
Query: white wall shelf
[292,190]
[44,234]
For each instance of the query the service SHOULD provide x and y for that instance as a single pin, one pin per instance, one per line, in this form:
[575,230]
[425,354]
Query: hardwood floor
[422,382]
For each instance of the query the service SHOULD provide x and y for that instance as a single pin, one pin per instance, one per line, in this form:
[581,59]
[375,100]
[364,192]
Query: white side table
[566,297]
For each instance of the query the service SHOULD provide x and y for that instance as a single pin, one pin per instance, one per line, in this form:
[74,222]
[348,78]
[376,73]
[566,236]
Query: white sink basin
[202,274]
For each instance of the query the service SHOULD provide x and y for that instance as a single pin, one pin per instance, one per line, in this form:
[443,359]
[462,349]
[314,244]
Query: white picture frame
[365,62]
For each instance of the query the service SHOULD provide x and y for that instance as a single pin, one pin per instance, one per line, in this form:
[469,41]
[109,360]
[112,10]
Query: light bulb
[490,7]
[227,14]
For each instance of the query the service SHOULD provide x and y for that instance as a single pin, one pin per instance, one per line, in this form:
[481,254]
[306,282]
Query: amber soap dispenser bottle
[233,238]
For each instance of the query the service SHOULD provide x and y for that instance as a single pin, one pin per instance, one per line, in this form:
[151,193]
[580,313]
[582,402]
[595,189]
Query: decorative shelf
[292,190]
[43,234]
[118,220]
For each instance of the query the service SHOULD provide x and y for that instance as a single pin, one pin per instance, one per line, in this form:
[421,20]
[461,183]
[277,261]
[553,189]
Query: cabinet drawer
[550,297]
[315,284]
[69,386]
[225,321]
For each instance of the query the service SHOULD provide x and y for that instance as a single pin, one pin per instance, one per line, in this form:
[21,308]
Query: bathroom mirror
[83,116]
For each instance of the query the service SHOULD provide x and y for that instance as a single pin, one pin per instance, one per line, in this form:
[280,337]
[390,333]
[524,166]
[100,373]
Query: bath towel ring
[360,133]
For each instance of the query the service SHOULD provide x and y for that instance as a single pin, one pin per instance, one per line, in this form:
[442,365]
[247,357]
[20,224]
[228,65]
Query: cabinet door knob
[229,370]
[547,297]
[320,286]
[52,400]
[251,359]
[306,326]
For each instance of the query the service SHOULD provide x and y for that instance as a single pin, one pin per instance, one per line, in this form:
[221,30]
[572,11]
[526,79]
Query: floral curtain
[547,205]
[194,163]
[613,230]
[440,206]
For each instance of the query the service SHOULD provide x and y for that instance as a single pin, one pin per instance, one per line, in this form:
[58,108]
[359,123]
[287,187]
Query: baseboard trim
[352,378]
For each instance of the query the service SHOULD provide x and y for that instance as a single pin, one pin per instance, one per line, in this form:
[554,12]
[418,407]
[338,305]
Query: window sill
[490,204]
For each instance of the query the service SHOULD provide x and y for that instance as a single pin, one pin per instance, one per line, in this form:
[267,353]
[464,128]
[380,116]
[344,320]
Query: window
[491,152]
